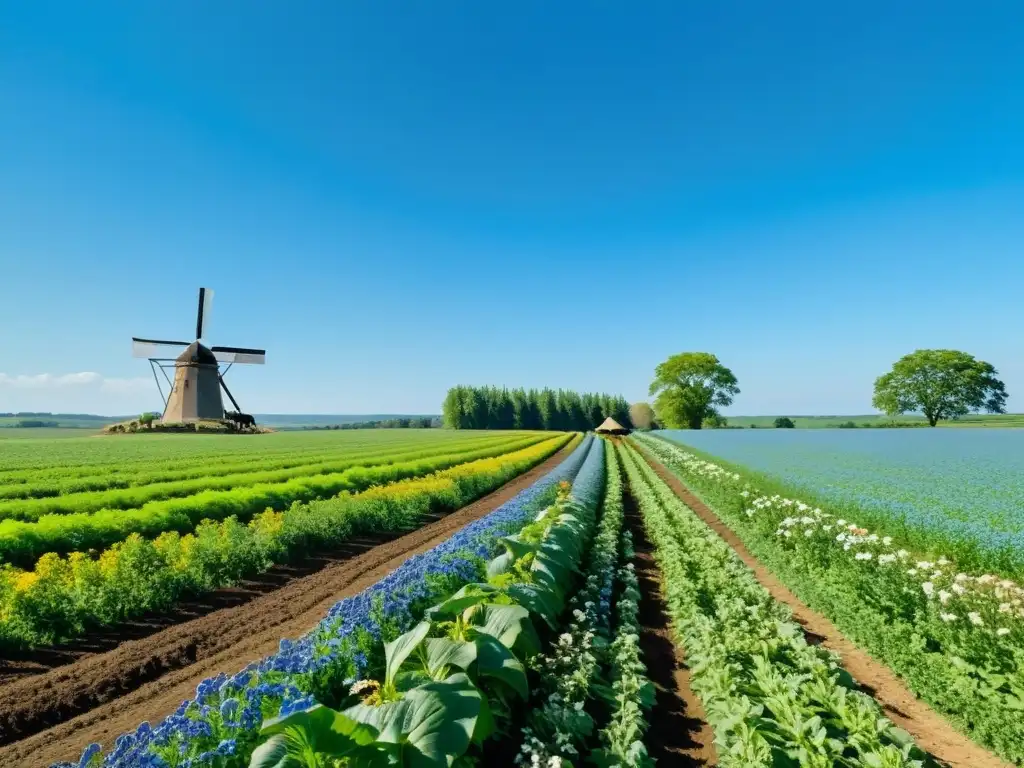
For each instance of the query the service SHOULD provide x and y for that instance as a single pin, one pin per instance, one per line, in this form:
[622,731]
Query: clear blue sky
[395,197]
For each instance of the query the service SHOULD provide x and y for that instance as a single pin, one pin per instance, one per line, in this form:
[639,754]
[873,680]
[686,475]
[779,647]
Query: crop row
[55,482]
[63,597]
[22,543]
[383,679]
[956,638]
[771,698]
[133,497]
[113,451]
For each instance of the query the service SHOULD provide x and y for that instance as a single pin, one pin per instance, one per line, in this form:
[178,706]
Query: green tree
[941,384]
[784,422]
[689,386]
[642,415]
[547,408]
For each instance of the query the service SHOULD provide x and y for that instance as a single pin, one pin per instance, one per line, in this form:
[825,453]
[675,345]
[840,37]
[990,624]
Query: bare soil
[52,707]
[679,734]
[930,730]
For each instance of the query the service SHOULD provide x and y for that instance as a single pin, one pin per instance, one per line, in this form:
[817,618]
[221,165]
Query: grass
[877,420]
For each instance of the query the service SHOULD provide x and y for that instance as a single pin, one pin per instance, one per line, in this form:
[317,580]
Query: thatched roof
[611,425]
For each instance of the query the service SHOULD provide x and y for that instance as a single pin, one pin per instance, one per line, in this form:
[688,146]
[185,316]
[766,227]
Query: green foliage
[497,408]
[771,698]
[22,542]
[784,422]
[689,387]
[63,597]
[941,384]
[953,637]
[448,683]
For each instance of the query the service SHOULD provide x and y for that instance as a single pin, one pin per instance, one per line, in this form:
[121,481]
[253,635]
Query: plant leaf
[434,723]
[468,596]
[397,651]
[509,624]
[317,730]
[442,652]
[495,660]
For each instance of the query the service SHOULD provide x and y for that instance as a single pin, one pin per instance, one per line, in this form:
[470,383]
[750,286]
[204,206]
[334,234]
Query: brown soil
[929,729]
[678,733]
[54,715]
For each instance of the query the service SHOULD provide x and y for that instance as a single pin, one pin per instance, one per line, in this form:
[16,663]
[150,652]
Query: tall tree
[689,387]
[941,384]
[547,407]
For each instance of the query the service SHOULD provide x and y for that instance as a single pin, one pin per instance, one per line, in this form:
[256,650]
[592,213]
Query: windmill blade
[157,349]
[240,355]
[203,316]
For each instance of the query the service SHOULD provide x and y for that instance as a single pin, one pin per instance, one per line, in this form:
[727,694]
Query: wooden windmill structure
[195,391]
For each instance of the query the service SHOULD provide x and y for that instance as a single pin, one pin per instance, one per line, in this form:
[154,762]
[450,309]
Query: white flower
[958,588]
[928,588]
[886,559]
[988,578]
[902,554]
[808,533]
[943,561]
[578,706]
[565,639]
[826,527]
[961,577]
[887,540]
[863,556]
[1002,632]
[944,596]
[912,572]
[840,522]
[947,616]
[787,534]
[924,565]
[1005,607]
[975,618]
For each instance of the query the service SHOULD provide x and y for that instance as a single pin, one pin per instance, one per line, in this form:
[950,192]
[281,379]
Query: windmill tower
[195,392]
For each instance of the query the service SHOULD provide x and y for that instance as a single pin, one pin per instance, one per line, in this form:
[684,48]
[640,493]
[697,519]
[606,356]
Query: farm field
[956,492]
[550,628]
[534,635]
[950,626]
[90,559]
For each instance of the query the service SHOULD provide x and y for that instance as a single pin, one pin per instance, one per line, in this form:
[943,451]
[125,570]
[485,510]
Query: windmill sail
[240,355]
[157,349]
[203,316]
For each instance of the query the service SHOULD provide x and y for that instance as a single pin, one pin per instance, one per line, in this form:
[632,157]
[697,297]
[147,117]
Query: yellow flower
[25,581]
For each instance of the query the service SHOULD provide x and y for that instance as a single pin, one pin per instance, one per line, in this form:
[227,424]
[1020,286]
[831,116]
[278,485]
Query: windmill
[195,391]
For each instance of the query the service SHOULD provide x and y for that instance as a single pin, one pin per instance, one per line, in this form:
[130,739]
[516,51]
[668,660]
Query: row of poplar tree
[498,408]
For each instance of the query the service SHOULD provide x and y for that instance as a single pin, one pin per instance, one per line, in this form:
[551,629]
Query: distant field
[58,495]
[284,421]
[46,433]
[957,490]
[831,422]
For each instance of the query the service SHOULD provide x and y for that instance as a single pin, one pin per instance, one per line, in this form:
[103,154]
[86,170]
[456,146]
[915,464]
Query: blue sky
[393,197]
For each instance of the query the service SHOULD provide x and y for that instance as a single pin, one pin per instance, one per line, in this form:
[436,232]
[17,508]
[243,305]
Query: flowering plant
[220,727]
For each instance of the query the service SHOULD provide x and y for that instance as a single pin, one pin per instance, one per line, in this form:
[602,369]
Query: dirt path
[97,697]
[678,735]
[929,729]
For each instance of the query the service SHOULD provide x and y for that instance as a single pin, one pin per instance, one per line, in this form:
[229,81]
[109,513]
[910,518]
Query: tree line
[499,408]
[415,422]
